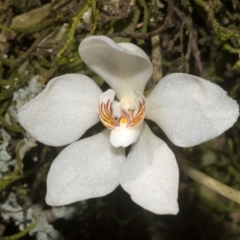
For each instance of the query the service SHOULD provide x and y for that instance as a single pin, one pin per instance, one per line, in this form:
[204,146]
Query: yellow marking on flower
[138,118]
[105,114]
[128,119]
[123,121]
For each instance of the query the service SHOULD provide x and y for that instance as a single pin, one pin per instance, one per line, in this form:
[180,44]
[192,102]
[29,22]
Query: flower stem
[211,183]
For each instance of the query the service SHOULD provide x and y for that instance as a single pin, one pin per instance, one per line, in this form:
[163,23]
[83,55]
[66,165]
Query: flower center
[129,113]
[127,104]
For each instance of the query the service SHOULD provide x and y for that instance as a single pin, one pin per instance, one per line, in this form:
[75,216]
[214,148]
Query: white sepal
[124,66]
[150,174]
[85,169]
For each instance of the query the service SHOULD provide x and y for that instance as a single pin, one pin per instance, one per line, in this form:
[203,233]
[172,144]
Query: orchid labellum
[189,109]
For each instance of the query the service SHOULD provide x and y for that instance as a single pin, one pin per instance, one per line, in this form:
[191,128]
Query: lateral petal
[191,110]
[63,111]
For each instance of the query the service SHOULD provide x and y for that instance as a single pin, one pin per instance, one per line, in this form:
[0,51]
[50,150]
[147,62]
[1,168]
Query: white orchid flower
[189,109]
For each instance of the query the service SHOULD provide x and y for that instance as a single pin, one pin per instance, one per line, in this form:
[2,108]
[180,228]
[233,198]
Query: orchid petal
[105,109]
[124,66]
[80,172]
[123,136]
[191,110]
[150,174]
[63,111]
